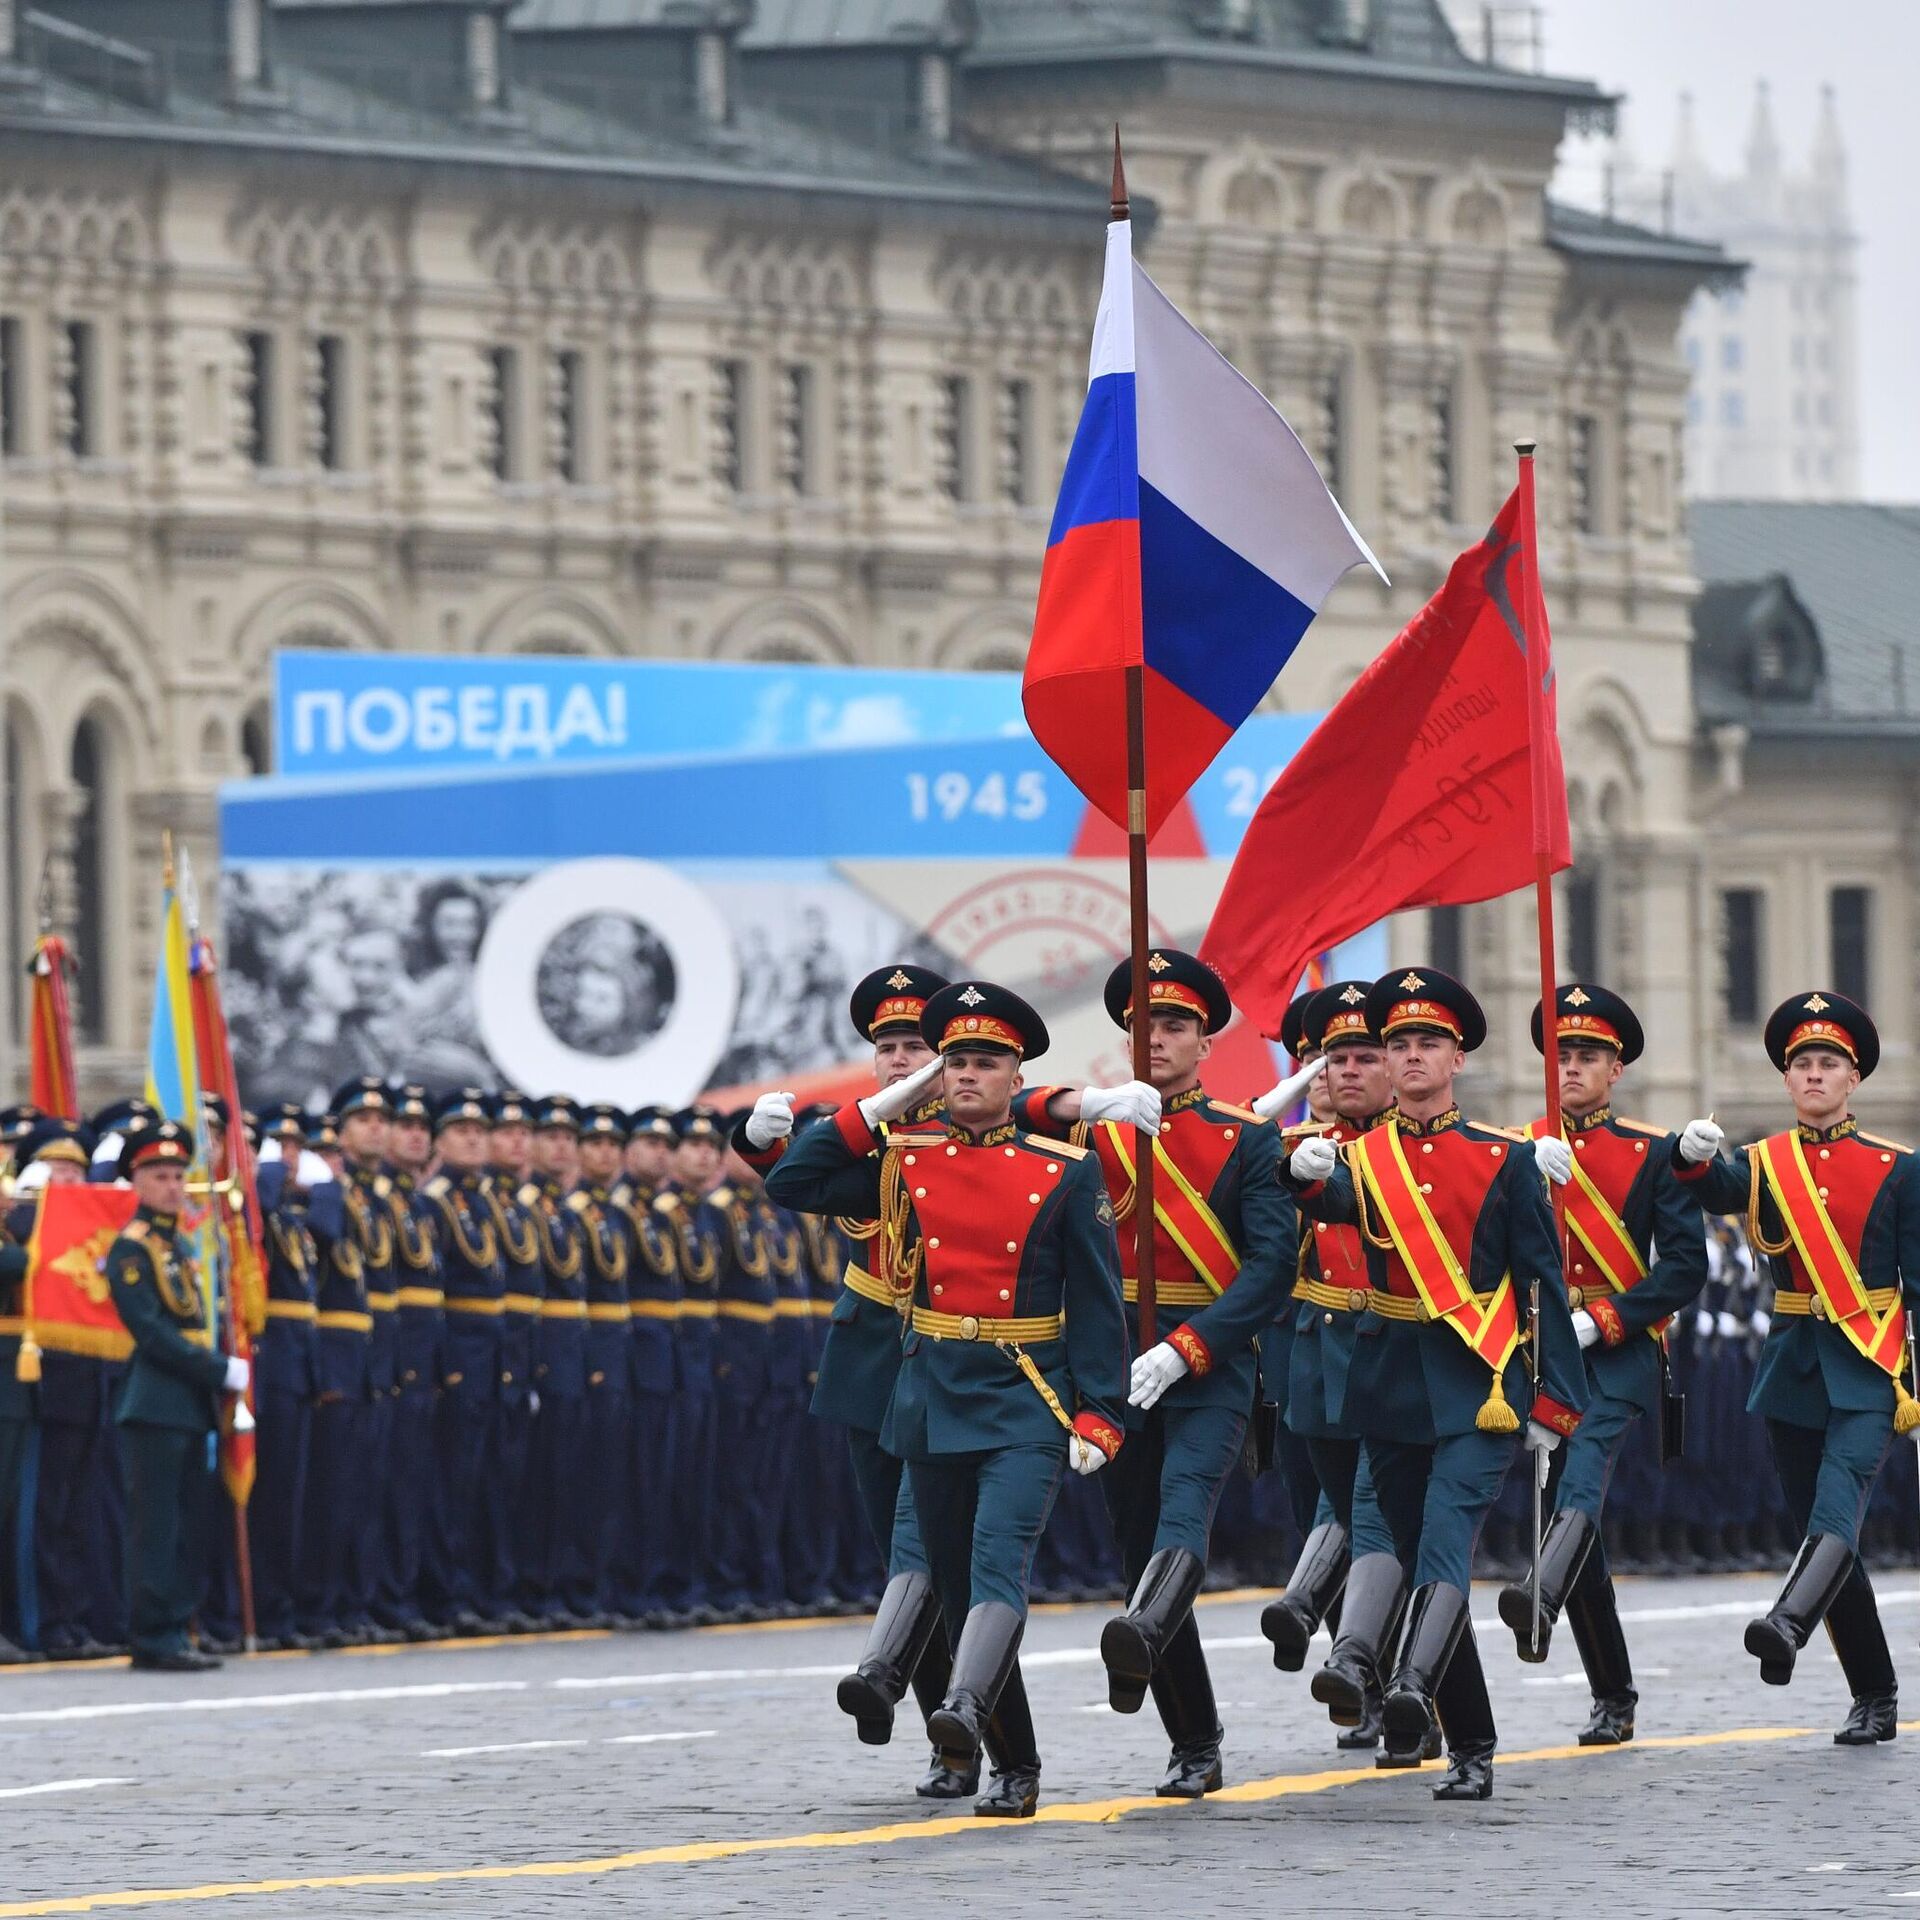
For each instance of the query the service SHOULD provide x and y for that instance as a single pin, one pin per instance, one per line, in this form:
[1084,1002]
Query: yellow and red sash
[1491,1327]
[1592,1221]
[1782,1163]
[1180,1207]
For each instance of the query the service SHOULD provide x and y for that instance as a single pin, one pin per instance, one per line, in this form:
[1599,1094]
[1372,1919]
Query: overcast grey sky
[1653,50]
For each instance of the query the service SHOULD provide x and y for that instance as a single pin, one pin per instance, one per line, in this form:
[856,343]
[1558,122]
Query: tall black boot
[941,1781]
[1853,1625]
[1183,1692]
[1563,1553]
[1593,1613]
[1131,1642]
[1291,1621]
[1364,1736]
[1466,1715]
[989,1642]
[1369,1609]
[907,1618]
[1436,1619]
[1819,1571]
[1014,1750]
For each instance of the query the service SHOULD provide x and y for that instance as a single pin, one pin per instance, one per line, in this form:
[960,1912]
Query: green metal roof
[799,25]
[1589,235]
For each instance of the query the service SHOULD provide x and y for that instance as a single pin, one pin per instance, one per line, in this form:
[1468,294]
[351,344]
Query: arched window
[256,741]
[90,773]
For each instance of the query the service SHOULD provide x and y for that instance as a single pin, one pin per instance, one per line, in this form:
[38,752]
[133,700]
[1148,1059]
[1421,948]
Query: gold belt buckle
[1422,1313]
[1576,1298]
[1818,1307]
[969,1327]
[1357,1298]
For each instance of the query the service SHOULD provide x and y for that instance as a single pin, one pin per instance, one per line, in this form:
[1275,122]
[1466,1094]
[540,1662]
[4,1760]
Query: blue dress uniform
[1457,1226]
[645,1568]
[167,1413]
[1836,1212]
[849,1555]
[609,1400]
[553,1548]
[858,1363]
[805,1530]
[286,1378]
[512,1439]
[697,1236]
[335,1472]
[746,1512]
[466,1235]
[368,1192]
[1017,1330]
[1636,1255]
[1224,1238]
[420,1321]
[16,1430]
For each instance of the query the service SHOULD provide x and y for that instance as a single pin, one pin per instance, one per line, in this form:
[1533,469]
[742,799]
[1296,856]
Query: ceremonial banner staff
[1192,543]
[54,1087]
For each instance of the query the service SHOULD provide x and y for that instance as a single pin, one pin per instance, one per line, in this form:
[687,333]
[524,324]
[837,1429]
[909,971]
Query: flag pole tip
[1524,448]
[1117,202]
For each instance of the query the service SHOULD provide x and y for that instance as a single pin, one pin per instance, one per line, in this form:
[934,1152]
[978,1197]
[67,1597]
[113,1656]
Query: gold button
[1884,1158]
[1426,1186]
[1328,1318]
[935,1241]
[1004,1294]
[1053,1166]
[1580,1145]
[919,1193]
[1496,1151]
[1226,1133]
[1576,1296]
[1823,1193]
[909,1159]
[1639,1146]
[1818,1308]
[951,1151]
[1426,1146]
[969,1327]
[506,1379]
[1013,1246]
[1826,1153]
[1010,1153]
[1033,1199]
[1357,1299]
[1578,1268]
[939,1289]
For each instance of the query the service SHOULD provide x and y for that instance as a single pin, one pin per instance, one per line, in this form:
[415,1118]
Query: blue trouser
[1163,1485]
[273,1514]
[1590,1456]
[408,1507]
[169,1484]
[368,1580]
[463,1425]
[552,1558]
[811,1522]
[1435,1497]
[886,1498]
[75,1461]
[1828,1473]
[982,1515]
[506,1482]
[743,1510]
[609,1428]
[693,1499]
[14,1435]
[1346,1481]
[653,1466]
[1298,1468]
[333,1485]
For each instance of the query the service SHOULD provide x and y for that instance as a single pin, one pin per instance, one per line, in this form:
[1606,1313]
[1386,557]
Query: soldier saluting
[1636,1254]
[1014,1358]
[1836,1212]
[170,1402]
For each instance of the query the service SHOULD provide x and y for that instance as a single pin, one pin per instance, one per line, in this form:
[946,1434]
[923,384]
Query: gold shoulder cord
[653,1244]
[697,1263]
[477,1253]
[294,1245]
[1756,1186]
[782,1250]
[376,1234]
[1368,1232]
[179,1282]
[857,1229]
[523,1253]
[608,1249]
[820,1248]
[748,1251]
[899,1263]
[346,1258]
[410,1235]
[562,1265]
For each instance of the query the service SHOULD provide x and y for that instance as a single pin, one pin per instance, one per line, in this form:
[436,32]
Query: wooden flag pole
[1141,1028]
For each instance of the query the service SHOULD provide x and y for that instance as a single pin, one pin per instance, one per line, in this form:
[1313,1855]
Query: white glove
[770,1120]
[1700,1140]
[1554,1158]
[1132,1103]
[1727,1325]
[1702,1324]
[1586,1329]
[1313,1159]
[238,1374]
[1153,1373]
[1083,1456]
[243,1420]
[1762,1323]
[891,1102]
[1541,1440]
[311,1171]
[1277,1100]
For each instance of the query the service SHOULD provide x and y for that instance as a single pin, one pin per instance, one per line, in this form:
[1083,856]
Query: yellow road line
[1062,1813]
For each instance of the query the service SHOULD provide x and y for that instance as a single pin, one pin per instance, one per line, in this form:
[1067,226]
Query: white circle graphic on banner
[610,980]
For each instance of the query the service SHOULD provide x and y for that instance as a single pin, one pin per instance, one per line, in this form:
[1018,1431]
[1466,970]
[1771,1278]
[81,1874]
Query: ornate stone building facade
[689,329]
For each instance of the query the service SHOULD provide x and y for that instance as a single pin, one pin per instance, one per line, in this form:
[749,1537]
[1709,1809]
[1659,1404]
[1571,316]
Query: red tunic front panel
[1453,1173]
[1200,1147]
[975,1207]
[1848,1174]
[1338,1251]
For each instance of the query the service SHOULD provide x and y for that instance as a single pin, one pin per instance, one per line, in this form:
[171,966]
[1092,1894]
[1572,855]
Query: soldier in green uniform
[170,1403]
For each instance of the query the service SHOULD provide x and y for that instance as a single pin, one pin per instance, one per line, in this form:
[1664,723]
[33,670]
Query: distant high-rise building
[1773,409]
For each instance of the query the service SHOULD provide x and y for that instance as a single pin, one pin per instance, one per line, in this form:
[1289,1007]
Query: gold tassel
[1906,1409]
[1495,1416]
[26,1367]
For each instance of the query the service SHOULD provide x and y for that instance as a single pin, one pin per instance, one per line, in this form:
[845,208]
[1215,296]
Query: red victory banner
[69,1306]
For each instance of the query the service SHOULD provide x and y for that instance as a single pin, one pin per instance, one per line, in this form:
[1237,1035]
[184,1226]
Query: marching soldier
[653,1286]
[1636,1255]
[697,1229]
[466,1235]
[609,1357]
[411,1516]
[1224,1236]
[1836,1212]
[511,1161]
[1457,1226]
[170,1404]
[1348,1555]
[1017,1331]
[335,1473]
[286,1379]
[553,1544]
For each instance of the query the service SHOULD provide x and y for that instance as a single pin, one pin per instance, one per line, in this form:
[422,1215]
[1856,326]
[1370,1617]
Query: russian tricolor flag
[1193,537]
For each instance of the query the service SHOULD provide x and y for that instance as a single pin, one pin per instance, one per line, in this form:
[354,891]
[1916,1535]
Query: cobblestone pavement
[710,1772]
